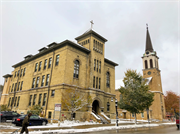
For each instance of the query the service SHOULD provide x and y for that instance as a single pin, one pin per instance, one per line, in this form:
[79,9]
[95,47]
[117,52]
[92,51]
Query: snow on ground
[76,123]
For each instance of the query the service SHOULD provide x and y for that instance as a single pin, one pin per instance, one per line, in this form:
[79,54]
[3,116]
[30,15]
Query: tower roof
[149,46]
[91,32]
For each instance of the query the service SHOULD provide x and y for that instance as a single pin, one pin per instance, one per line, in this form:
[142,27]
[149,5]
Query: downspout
[49,83]
[16,88]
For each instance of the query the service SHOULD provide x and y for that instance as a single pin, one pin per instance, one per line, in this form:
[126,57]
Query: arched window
[151,63]
[76,69]
[146,64]
[107,79]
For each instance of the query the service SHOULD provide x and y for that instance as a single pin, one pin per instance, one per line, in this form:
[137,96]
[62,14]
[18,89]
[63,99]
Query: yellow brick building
[41,78]
[151,72]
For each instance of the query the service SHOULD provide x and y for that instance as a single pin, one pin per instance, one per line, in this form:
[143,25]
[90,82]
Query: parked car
[8,115]
[34,120]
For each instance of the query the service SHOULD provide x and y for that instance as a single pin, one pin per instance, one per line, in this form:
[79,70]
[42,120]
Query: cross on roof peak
[91,24]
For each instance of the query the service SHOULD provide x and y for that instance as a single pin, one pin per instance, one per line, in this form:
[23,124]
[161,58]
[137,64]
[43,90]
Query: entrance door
[95,107]
[124,116]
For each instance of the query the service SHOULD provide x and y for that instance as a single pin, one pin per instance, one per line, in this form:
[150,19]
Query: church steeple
[149,46]
[150,58]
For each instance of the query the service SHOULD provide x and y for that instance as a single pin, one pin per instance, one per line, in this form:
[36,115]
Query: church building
[151,72]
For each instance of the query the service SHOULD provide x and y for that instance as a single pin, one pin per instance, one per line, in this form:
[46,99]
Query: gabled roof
[119,83]
[52,48]
[89,32]
[110,62]
[149,46]
[7,75]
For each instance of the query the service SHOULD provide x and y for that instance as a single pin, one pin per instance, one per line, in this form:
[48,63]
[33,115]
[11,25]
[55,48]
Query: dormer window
[42,49]
[28,56]
[52,44]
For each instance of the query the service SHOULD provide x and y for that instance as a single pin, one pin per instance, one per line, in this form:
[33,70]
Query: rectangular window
[9,102]
[142,115]
[30,99]
[24,71]
[44,99]
[12,87]
[37,81]
[94,64]
[52,92]
[15,74]
[36,66]
[15,101]
[97,66]
[15,87]
[21,72]
[47,80]
[50,60]
[34,100]
[33,83]
[94,82]
[18,101]
[21,85]
[40,63]
[57,60]
[42,82]
[18,72]
[49,115]
[108,106]
[40,96]
[18,86]
[99,83]
[12,101]
[45,64]
[132,114]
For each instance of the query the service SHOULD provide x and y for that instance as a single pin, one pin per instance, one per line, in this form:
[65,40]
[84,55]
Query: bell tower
[151,72]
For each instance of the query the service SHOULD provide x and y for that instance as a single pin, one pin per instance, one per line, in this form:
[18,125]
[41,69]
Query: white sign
[57,107]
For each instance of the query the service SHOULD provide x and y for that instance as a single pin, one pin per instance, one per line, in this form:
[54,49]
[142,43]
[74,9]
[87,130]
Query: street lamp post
[148,115]
[116,112]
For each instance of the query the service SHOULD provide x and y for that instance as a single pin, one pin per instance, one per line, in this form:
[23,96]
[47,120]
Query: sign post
[57,107]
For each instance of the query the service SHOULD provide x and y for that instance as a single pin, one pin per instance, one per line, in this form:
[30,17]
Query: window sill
[76,78]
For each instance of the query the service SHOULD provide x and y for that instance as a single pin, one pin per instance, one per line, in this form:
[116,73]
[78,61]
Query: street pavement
[164,130]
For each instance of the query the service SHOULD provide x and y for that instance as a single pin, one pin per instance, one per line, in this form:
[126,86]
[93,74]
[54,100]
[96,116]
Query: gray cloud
[29,26]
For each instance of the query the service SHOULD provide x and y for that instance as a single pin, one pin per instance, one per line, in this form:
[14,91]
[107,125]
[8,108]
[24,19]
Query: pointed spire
[149,46]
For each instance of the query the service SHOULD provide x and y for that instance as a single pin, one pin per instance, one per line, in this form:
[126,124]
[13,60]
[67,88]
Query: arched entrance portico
[95,106]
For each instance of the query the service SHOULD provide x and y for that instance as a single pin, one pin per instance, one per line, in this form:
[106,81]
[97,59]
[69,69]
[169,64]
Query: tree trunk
[71,115]
[135,119]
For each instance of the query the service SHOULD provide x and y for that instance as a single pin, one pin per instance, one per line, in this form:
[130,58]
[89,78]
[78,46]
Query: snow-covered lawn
[75,123]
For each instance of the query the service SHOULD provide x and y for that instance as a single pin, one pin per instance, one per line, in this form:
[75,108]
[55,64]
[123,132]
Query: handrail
[16,131]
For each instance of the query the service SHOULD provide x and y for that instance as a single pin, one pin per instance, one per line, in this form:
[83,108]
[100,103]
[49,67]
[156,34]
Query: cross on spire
[91,23]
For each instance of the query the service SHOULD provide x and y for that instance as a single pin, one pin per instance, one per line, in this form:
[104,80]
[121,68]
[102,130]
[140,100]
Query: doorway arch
[95,106]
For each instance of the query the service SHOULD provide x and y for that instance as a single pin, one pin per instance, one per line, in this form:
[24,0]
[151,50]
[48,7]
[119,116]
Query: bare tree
[74,99]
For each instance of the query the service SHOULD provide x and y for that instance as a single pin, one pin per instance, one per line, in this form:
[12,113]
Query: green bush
[4,108]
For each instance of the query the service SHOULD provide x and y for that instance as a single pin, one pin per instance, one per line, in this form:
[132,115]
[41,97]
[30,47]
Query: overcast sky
[27,26]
